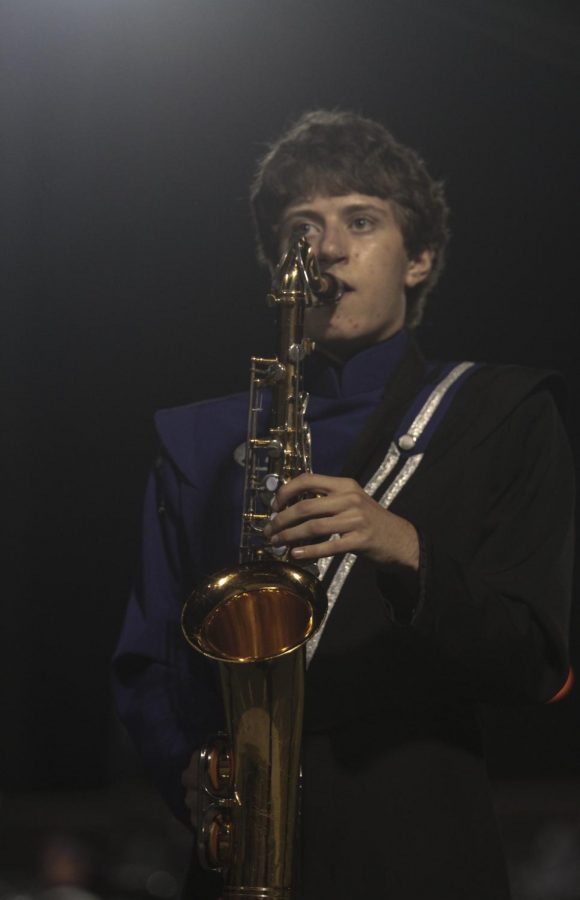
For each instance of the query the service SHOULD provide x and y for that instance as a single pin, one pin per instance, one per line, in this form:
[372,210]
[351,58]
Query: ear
[419,268]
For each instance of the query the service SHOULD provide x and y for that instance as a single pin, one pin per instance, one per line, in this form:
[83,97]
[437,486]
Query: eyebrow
[349,210]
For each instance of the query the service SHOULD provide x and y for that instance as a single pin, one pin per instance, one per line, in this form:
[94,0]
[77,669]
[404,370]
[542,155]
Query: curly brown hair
[336,153]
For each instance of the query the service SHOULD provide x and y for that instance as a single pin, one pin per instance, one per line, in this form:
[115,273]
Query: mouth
[345,287]
[332,289]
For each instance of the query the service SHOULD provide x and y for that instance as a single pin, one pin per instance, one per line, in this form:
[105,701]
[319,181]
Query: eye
[361,223]
[300,229]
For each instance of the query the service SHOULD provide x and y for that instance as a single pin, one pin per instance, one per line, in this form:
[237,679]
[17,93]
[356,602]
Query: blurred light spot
[162,884]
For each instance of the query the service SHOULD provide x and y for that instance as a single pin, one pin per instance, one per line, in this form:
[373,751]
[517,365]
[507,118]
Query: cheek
[375,271]
[351,319]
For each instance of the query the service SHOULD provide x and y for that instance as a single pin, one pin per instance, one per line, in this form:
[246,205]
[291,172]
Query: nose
[331,247]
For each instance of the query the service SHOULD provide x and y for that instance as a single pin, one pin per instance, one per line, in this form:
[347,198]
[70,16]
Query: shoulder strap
[399,464]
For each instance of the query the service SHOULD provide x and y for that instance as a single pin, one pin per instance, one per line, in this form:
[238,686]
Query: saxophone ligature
[255,620]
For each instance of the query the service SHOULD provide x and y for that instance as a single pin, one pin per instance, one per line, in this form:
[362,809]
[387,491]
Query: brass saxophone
[255,620]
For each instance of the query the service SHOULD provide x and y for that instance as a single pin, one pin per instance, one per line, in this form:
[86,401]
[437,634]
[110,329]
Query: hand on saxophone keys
[339,506]
[190,782]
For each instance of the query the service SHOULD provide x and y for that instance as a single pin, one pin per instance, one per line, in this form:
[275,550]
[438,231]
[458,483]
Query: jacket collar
[366,371]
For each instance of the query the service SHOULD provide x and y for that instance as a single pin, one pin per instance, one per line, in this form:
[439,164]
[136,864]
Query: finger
[311,483]
[190,776]
[311,508]
[318,529]
[340,544]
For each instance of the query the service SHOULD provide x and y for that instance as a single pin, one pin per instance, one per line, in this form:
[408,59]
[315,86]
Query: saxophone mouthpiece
[330,290]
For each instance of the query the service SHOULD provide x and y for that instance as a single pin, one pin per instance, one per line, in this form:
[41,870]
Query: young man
[449,580]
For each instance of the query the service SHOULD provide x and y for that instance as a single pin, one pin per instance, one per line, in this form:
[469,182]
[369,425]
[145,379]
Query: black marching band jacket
[395,799]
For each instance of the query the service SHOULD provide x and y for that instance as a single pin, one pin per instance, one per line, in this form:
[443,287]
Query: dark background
[129,135]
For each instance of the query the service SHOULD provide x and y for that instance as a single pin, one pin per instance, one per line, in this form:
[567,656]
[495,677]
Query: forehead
[324,205]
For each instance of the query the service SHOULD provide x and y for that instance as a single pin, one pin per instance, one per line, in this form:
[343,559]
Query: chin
[343,346]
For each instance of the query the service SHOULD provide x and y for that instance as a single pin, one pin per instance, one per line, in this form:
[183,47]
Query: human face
[357,238]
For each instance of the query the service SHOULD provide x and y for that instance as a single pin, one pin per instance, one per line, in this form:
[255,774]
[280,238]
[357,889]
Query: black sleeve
[165,692]
[498,621]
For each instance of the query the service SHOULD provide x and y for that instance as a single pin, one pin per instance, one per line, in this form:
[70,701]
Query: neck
[339,352]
